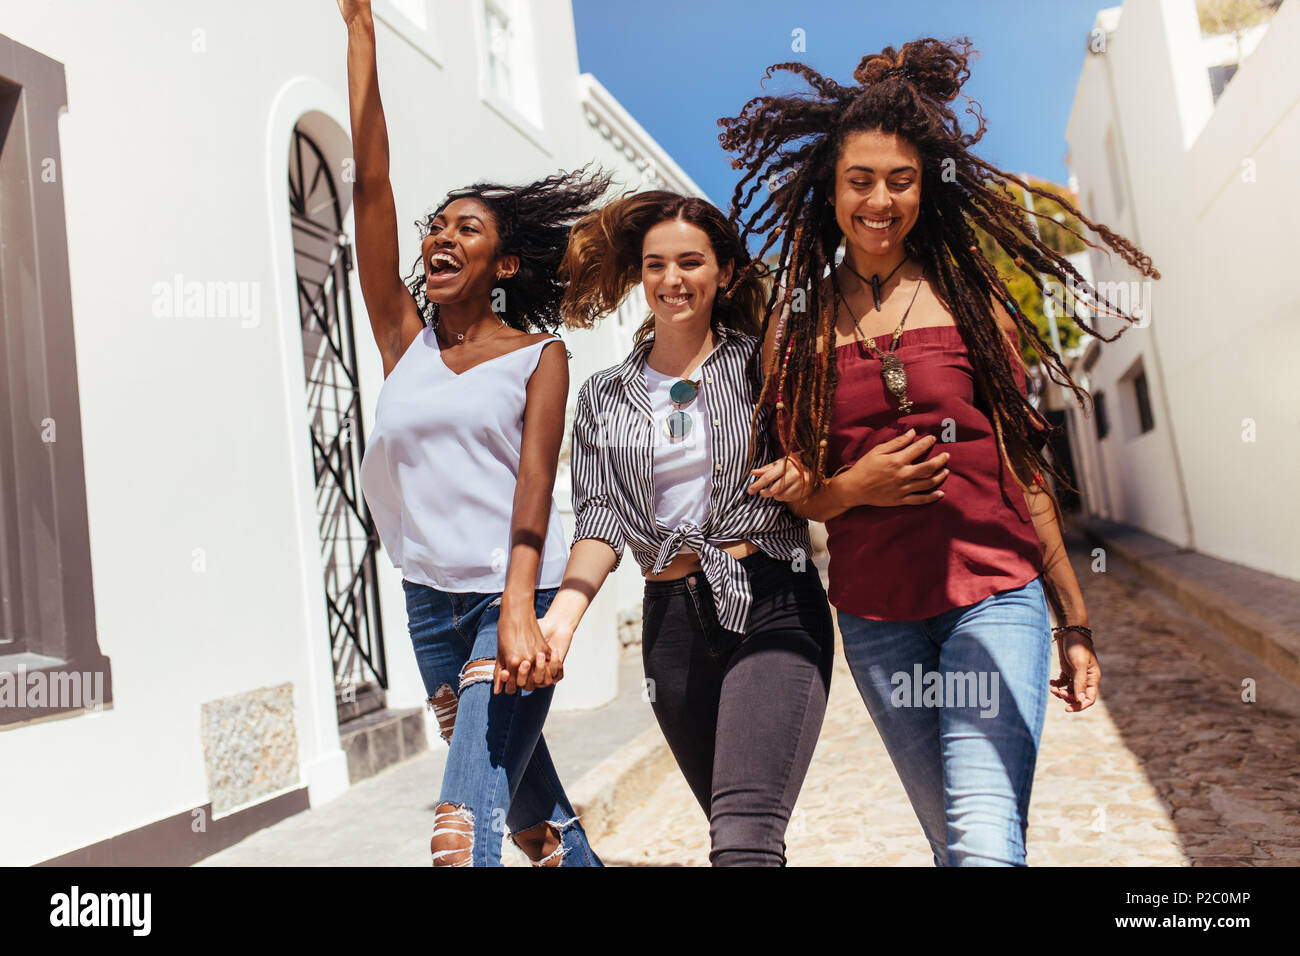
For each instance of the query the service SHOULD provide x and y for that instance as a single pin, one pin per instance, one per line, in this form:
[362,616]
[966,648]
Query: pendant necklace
[891,366]
[875,281]
[460,336]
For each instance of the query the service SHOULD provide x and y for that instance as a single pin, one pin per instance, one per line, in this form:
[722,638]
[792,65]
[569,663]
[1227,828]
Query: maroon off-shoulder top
[910,562]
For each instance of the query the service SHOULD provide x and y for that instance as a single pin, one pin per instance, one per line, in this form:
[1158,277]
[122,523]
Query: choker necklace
[891,366]
[875,281]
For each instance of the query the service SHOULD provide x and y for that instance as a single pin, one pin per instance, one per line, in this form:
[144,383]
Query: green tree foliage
[1233,16]
[1053,232]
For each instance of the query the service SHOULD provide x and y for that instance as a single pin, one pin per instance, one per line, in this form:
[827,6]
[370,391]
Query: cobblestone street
[1170,768]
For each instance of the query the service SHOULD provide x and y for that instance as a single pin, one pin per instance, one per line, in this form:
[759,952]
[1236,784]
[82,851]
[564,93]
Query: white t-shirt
[683,468]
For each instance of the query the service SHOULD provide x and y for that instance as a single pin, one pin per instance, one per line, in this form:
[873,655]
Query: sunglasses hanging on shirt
[679,424]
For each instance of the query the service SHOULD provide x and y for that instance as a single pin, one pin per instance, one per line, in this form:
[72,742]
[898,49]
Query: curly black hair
[533,223]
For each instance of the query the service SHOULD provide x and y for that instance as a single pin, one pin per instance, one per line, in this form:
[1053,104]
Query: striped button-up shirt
[613,474]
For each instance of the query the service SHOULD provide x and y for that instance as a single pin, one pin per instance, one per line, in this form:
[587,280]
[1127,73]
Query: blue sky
[678,65]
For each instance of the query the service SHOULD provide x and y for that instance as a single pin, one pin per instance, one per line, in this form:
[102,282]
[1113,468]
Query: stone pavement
[1256,611]
[1171,767]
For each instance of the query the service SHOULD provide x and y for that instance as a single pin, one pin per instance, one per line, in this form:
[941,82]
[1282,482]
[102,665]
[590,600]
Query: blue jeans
[959,700]
[499,774]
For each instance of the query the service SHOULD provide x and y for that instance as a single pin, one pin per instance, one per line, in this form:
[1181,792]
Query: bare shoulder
[555,360]
[513,340]
[552,363]
[1003,316]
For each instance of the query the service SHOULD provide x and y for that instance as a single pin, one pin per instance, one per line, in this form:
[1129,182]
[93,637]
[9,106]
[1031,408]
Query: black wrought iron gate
[349,543]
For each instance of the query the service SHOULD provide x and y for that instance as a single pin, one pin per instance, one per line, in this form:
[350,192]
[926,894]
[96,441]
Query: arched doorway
[349,543]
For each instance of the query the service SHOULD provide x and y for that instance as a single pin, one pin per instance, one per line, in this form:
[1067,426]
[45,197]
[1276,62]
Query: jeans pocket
[721,642]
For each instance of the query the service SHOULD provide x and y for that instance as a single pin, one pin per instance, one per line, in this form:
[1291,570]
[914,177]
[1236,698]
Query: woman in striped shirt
[737,636]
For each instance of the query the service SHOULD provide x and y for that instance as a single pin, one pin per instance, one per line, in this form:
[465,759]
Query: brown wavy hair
[791,144]
[603,261]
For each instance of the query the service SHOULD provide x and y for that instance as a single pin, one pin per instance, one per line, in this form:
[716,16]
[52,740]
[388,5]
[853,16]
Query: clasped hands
[530,651]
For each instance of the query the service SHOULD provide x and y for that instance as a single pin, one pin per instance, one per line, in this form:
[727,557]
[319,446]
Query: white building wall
[1213,200]
[174,149]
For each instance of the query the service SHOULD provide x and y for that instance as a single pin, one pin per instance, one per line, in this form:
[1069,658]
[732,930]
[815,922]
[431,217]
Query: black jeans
[741,712]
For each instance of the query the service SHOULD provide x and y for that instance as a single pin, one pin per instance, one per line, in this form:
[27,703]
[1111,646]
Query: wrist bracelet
[1077,628]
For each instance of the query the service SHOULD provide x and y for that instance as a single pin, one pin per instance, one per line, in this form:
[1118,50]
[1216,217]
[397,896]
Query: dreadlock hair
[603,261]
[533,223]
[791,144]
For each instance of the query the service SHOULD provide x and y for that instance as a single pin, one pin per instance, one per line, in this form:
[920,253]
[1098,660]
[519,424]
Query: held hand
[886,476]
[558,637]
[353,8]
[785,479]
[1080,679]
[523,656]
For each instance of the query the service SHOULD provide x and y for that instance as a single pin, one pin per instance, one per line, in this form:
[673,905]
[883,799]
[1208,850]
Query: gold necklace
[891,366]
[460,336]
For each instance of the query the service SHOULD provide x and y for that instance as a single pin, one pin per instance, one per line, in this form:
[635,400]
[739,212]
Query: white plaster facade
[1208,190]
[175,148]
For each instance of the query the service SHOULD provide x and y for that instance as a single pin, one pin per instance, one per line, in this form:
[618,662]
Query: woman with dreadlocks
[459,471]
[943,609]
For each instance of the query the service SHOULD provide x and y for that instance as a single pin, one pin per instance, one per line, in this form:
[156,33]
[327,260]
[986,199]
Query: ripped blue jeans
[499,775]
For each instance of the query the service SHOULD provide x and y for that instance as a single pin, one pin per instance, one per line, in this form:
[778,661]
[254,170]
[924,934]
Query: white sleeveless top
[440,469]
[683,469]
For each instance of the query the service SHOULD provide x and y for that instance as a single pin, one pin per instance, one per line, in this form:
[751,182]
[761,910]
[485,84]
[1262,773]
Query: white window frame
[423,38]
[523,109]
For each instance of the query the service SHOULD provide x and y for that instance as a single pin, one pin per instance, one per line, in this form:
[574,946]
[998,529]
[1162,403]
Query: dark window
[1143,402]
[47,607]
[1219,78]
[1103,423]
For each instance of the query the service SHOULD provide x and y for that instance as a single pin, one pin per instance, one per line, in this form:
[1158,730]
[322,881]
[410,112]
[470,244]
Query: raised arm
[394,318]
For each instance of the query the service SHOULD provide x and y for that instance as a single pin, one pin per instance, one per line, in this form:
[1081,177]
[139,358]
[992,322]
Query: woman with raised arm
[737,638]
[944,609]
[459,471]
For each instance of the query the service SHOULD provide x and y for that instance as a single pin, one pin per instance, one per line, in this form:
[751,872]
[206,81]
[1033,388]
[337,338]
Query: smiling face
[460,253]
[877,194]
[680,273]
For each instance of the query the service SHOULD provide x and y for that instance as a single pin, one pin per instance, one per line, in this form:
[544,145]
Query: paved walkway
[387,819]
[1170,768]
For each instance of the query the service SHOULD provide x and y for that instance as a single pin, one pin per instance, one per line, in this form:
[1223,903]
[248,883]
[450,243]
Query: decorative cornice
[617,127]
